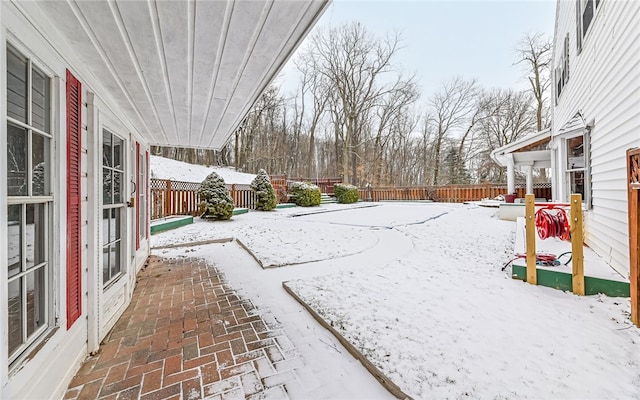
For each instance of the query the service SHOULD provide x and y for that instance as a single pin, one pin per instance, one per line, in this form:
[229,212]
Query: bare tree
[450,108]
[354,63]
[534,52]
[513,118]
[314,84]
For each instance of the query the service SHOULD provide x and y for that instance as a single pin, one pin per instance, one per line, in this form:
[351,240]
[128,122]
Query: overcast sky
[440,39]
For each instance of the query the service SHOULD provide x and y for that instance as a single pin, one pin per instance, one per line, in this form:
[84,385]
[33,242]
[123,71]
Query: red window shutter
[138,195]
[147,198]
[74,193]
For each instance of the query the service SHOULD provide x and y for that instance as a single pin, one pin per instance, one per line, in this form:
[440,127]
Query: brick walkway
[187,335]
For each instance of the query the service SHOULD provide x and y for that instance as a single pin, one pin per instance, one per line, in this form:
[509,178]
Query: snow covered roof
[517,152]
[165,168]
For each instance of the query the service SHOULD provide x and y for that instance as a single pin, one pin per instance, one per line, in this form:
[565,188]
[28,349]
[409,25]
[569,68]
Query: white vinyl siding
[604,88]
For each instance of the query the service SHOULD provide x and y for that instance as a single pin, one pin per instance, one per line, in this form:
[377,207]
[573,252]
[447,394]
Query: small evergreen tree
[215,201]
[265,195]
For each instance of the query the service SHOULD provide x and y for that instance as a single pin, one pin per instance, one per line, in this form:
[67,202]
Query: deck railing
[325,184]
[181,198]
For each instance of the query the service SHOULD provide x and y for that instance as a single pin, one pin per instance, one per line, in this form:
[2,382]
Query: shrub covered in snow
[215,201]
[265,195]
[305,194]
[345,194]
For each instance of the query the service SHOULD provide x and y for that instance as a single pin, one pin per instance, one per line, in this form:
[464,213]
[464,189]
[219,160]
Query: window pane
[143,216]
[577,182]
[105,226]
[575,153]
[587,15]
[15,239]
[35,235]
[16,161]
[117,152]
[36,294]
[15,314]
[114,227]
[106,149]
[40,100]
[114,259]
[105,264]
[117,186]
[41,166]
[106,186]
[16,86]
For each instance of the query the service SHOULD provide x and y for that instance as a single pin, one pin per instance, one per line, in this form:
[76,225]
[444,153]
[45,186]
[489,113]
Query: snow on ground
[274,239]
[165,168]
[418,289]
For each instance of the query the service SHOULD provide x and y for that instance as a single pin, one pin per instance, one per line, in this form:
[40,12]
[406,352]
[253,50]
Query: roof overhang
[184,73]
[525,151]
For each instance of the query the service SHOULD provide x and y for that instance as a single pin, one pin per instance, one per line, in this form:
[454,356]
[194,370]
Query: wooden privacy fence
[181,198]
[449,193]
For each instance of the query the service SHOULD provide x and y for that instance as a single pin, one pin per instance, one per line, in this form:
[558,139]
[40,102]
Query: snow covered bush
[265,195]
[215,201]
[345,194]
[305,194]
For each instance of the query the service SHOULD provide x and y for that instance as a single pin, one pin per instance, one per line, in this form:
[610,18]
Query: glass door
[113,207]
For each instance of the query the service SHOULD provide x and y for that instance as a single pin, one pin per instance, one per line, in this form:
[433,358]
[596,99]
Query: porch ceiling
[184,72]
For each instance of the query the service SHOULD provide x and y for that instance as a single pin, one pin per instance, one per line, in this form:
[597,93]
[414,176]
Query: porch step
[172,222]
[326,199]
[285,205]
[240,210]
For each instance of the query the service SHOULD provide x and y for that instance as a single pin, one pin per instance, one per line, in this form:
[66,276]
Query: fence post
[233,194]
[167,199]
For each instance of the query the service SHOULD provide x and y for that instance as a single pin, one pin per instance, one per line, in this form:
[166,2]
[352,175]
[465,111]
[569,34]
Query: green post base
[563,281]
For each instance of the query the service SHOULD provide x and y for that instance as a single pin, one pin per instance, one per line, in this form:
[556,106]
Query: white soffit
[184,73]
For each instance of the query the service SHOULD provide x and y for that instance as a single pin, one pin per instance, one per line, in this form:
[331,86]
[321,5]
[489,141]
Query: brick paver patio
[187,335]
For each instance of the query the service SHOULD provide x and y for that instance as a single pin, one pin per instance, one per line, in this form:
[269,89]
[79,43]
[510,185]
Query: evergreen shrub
[305,194]
[215,201]
[265,195]
[345,194]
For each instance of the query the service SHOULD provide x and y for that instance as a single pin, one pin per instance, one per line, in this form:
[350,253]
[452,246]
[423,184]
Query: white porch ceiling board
[115,45]
[211,24]
[174,25]
[260,56]
[184,73]
[246,24]
[138,19]
[70,21]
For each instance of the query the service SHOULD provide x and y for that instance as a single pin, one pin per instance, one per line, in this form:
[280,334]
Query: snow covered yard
[418,289]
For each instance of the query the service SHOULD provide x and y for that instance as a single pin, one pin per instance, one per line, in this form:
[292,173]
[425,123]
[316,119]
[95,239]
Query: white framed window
[113,207]
[585,12]
[562,71]
[29,202]
[577,167]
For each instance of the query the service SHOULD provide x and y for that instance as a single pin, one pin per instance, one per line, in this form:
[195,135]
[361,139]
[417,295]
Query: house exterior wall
[604,88]
[46,367]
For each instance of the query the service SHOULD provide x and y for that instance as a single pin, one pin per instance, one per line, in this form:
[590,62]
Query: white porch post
[529,179]
[511,177]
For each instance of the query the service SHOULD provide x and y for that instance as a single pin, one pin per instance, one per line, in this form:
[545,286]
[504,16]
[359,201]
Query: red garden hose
[551,224]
